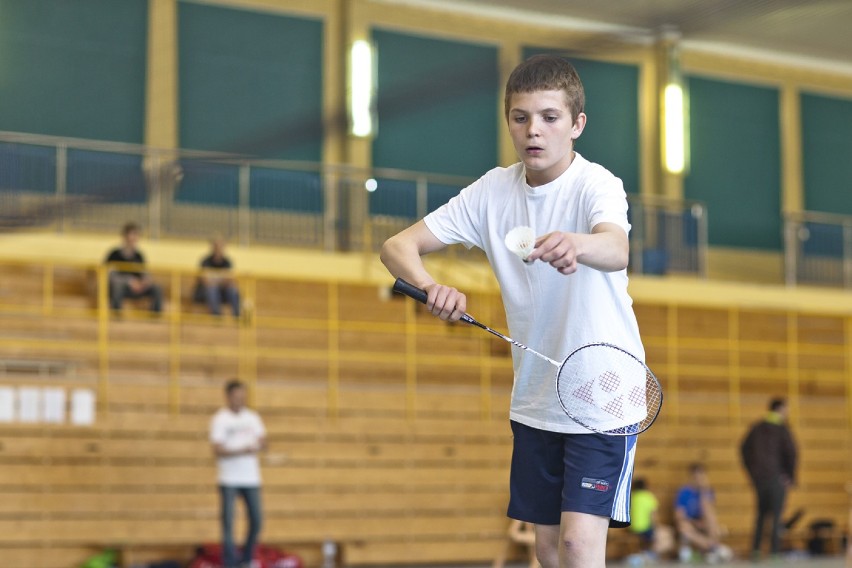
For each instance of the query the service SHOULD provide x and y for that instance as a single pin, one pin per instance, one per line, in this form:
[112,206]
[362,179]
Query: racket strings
[608,390]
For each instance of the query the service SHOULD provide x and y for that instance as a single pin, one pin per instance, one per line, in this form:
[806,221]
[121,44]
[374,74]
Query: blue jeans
[215,293]
[119,289]
[251,496]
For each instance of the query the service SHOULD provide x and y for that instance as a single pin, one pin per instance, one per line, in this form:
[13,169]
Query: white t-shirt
[548,311]
[236,431]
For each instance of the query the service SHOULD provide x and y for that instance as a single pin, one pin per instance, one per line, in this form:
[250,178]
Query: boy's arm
[606,249]
[402,253]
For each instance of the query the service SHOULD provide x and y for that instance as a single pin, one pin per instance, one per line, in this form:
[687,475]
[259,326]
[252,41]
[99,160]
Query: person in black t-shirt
[216,283]
[128,279]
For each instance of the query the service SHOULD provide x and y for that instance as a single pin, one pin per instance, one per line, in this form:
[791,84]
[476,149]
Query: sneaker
[685,554]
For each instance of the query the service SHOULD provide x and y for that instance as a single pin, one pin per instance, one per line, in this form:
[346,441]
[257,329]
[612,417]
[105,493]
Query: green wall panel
[250,82]
[74,68]
[437,105]
[611,137]
[736,162]
[827,153]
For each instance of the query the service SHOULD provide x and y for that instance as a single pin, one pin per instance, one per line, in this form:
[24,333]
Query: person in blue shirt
[695,518]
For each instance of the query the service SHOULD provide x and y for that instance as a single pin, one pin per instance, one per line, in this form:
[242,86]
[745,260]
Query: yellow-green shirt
[642,507]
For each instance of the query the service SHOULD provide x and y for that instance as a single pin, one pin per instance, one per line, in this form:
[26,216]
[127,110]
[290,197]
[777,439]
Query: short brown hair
[233,385]
[130,227]
[547,73]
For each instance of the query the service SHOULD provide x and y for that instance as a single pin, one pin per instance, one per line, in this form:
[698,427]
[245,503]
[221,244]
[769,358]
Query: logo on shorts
[601,485]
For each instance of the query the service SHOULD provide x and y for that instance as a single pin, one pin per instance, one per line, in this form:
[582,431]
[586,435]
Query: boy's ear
[579,125]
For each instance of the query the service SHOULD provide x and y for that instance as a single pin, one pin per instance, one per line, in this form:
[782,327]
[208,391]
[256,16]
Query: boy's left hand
[558,249]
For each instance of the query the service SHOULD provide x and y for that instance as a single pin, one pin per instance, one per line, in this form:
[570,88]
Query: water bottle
[329,554]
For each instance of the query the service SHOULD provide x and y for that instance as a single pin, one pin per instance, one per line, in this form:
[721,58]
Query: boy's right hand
[445,302]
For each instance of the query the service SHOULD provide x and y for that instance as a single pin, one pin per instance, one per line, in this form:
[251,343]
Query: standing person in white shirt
[569,483]
[238,435]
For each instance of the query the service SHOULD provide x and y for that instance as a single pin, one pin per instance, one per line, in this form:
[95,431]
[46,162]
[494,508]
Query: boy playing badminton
[570,483]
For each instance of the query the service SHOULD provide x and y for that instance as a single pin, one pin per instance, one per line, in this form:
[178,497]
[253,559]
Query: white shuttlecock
[521,241]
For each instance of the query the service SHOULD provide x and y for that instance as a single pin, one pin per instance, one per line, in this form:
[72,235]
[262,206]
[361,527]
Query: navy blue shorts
[583,473]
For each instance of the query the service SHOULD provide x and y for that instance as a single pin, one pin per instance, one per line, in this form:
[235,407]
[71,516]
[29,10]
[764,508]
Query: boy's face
[543,133]
[236,399]
[131,239]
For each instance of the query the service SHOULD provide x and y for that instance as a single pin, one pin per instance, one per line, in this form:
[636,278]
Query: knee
[547,556]
[574,544]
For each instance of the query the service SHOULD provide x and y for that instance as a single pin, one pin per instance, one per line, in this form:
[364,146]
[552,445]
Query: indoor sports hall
[297,136]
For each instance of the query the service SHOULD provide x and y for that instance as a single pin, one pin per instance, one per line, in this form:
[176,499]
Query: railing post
[103,337]
[638,231]
[47,289]
[333,404]
[791,250]
[62,185]
[155,191]
[244,211]
[247,336]
[174,344]
[330,184]
[702,242]
[422,196]
[847,254]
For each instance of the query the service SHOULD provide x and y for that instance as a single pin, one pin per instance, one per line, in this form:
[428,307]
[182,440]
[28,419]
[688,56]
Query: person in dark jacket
[769,456]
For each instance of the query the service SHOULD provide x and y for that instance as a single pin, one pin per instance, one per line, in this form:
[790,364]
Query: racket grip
[410,290]
[415,293]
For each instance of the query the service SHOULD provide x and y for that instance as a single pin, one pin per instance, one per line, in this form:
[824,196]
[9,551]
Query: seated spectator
[216,283]
[654,539]
[128,279]
[695,518]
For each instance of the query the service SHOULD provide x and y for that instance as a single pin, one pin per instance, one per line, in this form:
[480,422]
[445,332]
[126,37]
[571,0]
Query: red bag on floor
[210,556]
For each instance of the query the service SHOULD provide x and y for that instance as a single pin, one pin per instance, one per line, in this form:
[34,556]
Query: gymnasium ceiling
[814,29]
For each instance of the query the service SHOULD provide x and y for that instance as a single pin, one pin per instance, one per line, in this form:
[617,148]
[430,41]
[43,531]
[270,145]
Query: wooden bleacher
[388,429]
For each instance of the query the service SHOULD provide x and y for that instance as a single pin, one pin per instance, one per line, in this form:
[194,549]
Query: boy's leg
[214,298]
[536,487]
[232,296]
[156,294]
[779,493]
[579,542]
[760,519]
[227,495]
[583,541]
[117,290]
[694,536]
[251,495]
[596,495]
[547,545]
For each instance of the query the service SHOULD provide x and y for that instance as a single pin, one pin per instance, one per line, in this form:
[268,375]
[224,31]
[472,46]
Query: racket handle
[415,293]
[410,290]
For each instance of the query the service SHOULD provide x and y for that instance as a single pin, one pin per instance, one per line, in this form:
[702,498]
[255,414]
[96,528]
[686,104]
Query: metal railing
[67,184]
[818,249]
[668,236]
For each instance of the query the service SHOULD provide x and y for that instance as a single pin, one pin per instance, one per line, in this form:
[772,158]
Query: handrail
[333,207]
[818,248]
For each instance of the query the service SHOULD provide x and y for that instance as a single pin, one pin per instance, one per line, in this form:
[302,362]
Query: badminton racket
[600,386]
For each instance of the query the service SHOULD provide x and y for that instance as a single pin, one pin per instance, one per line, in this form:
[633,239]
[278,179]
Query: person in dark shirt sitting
[128,279]
[216,283]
